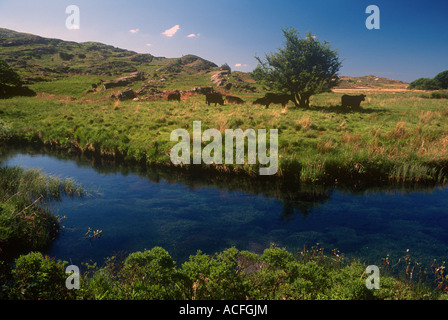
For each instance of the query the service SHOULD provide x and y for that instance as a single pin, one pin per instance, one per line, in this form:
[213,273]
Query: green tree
[8,76]
[303,67]
[225,66]
[442,79]
[424,84]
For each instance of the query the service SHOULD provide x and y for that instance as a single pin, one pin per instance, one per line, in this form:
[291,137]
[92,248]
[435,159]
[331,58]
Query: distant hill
[370,82]
[37,58]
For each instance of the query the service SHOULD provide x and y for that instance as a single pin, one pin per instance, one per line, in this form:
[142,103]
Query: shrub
[38,277]
[66,56]
[439,95]
[424,84]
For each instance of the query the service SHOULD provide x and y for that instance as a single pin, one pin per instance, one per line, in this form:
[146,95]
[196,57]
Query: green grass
[25,221]
[394,138]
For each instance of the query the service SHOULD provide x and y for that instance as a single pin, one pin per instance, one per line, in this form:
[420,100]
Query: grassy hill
[68,68]
[39,59]
[371,82]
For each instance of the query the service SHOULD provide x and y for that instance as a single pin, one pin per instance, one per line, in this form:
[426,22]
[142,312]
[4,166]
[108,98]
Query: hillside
[42,59]
[371,82]
[56,66]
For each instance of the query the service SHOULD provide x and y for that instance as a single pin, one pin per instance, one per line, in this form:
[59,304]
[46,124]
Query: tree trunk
[302,100]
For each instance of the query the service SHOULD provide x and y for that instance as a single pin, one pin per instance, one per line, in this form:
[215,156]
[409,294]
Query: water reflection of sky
[135,213]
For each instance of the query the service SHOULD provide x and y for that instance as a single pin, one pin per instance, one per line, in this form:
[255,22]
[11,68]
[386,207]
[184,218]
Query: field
[398,136]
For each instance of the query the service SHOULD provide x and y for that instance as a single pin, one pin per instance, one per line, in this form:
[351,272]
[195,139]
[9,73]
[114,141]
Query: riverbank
[395,138]
[26,222]
[276,274]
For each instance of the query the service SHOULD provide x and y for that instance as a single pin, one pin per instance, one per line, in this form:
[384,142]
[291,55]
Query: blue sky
[412,41]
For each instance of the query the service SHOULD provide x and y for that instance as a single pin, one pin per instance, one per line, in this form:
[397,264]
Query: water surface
[137,211]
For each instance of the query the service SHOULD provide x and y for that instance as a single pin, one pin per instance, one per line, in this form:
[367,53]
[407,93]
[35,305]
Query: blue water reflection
[135,213]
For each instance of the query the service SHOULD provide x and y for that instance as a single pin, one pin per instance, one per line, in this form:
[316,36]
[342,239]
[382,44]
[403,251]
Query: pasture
[397,136]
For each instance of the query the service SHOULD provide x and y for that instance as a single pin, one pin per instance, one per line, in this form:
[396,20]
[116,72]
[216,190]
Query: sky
[411,42]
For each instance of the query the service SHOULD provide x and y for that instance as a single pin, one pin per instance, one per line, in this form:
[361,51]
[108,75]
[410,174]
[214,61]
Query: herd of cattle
[214,97]
[273,98]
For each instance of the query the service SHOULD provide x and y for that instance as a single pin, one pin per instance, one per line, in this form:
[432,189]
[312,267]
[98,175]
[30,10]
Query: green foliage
[25,222]
[38,277]
[442,80]
[439,94]
[276,274]
[143,275]
[225,66]
[424,84]
[8,76]
[66,56]
[303,68]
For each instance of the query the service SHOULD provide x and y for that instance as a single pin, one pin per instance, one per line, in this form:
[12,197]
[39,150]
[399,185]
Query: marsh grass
[26,221]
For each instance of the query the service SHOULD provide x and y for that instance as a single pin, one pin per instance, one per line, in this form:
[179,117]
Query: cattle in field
[260,101]
[352,101]
[174,96]
[232,99]
[215,98]
[274,98]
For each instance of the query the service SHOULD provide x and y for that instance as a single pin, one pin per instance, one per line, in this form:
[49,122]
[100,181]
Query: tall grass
[393,138]
[26,222]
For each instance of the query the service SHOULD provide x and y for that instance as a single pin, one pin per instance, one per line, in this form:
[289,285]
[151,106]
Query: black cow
[215,98]
[233,99]
[174,96]
[260,101]
[269,98]
[352,101]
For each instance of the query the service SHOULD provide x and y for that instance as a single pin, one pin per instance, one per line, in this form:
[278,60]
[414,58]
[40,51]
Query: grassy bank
[395,138]
[26,222]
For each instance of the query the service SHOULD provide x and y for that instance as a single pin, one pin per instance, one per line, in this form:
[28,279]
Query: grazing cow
[352,101]
[260,101]
[215,98]
[174,96]
[269,98]
[232,99]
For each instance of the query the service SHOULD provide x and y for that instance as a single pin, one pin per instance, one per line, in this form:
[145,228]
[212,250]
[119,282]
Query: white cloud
[193,35]
[172,31]
[134,30]
[148,44]
[240,65]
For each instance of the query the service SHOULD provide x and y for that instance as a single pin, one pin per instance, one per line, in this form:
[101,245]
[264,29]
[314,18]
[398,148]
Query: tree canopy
[440,81]
[302,68]
[8,76]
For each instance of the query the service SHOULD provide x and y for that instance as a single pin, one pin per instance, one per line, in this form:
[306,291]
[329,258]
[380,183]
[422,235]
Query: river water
[139,210]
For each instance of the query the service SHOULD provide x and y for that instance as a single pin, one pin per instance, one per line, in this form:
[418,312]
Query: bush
[226,67]
[424,84]
[66,56]
[36,277]
[439,95]
[8,76]
[147,275]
